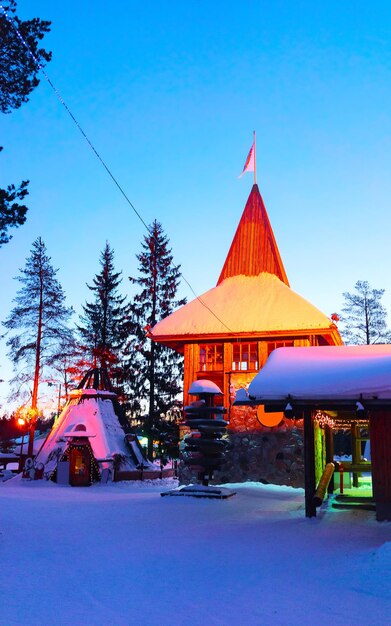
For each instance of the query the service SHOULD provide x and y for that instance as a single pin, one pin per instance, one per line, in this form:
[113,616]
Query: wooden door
[80,467]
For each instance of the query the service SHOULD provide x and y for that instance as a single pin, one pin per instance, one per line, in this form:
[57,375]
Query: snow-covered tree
[38,324]
[104,326]
[364,316]
[154,372]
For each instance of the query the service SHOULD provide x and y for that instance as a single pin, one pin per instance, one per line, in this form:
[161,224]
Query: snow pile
[244,304]
[204,386]
[120,554]
[325,372]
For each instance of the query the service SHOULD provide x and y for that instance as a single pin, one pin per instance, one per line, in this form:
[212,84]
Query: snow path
[120,554]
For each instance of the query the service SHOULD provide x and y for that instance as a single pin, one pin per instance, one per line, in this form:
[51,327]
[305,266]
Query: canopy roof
[326,374]
[260,304]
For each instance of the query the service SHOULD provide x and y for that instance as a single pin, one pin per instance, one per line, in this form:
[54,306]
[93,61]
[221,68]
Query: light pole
[22,423]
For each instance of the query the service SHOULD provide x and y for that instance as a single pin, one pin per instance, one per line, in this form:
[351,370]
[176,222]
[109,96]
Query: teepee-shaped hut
[87,442]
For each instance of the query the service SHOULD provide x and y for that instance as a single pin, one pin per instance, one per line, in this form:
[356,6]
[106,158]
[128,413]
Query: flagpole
[255,158]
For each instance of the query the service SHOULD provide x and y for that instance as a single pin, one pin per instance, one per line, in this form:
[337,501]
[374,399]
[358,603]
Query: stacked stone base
[270,455]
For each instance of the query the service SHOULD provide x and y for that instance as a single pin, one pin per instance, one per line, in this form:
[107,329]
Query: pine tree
[18,78]
[364,316]
[105,323]
[18,69]
[37,325]
[154,372]
[12,213]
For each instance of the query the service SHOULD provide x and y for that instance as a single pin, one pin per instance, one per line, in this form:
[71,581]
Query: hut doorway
[79,466]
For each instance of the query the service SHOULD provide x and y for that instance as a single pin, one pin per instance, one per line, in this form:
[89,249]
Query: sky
[169,94]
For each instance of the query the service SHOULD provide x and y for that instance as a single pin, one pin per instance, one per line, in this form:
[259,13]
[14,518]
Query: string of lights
[324,420]
[98,156]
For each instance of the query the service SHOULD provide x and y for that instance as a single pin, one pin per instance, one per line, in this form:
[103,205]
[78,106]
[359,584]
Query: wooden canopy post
[309,464]
[330,454]
[380,436]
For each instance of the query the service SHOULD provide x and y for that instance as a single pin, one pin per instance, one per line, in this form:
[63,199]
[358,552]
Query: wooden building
[227,334]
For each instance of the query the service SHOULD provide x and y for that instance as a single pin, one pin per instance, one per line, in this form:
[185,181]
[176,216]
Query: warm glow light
[21,421]
[268,419]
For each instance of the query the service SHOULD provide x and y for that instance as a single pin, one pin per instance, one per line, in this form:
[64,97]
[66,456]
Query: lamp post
[22,423]
[32,418]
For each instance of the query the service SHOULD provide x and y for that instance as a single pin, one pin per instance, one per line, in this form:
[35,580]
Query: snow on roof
[325,373]
[245,304]
[204,386]
[80,431]
[77,393]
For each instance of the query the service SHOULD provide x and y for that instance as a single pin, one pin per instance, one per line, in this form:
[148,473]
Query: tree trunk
[151,401]
[367,334]
[34,399]
[151,416]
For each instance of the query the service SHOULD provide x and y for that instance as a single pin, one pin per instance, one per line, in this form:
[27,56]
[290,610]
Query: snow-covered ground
[120,554]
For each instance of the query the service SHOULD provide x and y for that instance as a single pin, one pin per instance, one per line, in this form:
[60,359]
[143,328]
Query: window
[211,357]
[272,345]
[244,356]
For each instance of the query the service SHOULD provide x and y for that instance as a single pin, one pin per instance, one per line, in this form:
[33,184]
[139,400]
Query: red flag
[249,165]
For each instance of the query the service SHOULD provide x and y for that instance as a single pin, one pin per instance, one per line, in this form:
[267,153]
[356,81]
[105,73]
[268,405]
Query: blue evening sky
[169,94]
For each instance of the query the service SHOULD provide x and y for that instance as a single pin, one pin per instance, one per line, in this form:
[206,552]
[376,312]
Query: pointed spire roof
[254,248]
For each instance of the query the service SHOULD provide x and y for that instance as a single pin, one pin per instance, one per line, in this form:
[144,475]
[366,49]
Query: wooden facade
[225,369]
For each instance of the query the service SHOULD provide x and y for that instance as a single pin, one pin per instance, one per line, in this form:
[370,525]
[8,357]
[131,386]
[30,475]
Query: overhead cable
[89,142]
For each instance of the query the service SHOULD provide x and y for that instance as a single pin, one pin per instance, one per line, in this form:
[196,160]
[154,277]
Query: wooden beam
[309,464]
[380,435]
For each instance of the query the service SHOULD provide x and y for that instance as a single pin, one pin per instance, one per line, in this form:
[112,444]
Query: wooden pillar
[309,464]
[380,435]
[329,433]
[188,371]
[356,450]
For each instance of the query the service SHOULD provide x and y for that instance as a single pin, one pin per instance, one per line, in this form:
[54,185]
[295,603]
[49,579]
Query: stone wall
[261,454]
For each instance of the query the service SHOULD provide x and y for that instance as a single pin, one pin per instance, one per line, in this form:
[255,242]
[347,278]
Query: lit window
[244,356]
[211,357]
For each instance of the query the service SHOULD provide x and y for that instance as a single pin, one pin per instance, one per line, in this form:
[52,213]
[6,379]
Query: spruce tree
[12,212]
[364,316]
[18,78]
[18,69]
[37,325]
[154,372]
[105,322]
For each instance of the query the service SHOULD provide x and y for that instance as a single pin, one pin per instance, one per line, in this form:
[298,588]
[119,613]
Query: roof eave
[331,331]
[273,405]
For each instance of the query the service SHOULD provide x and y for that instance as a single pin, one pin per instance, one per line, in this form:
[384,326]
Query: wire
[61,99]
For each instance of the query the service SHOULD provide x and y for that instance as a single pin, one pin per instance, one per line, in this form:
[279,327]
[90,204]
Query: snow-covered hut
[354,383]
[87,441]
[227,334]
